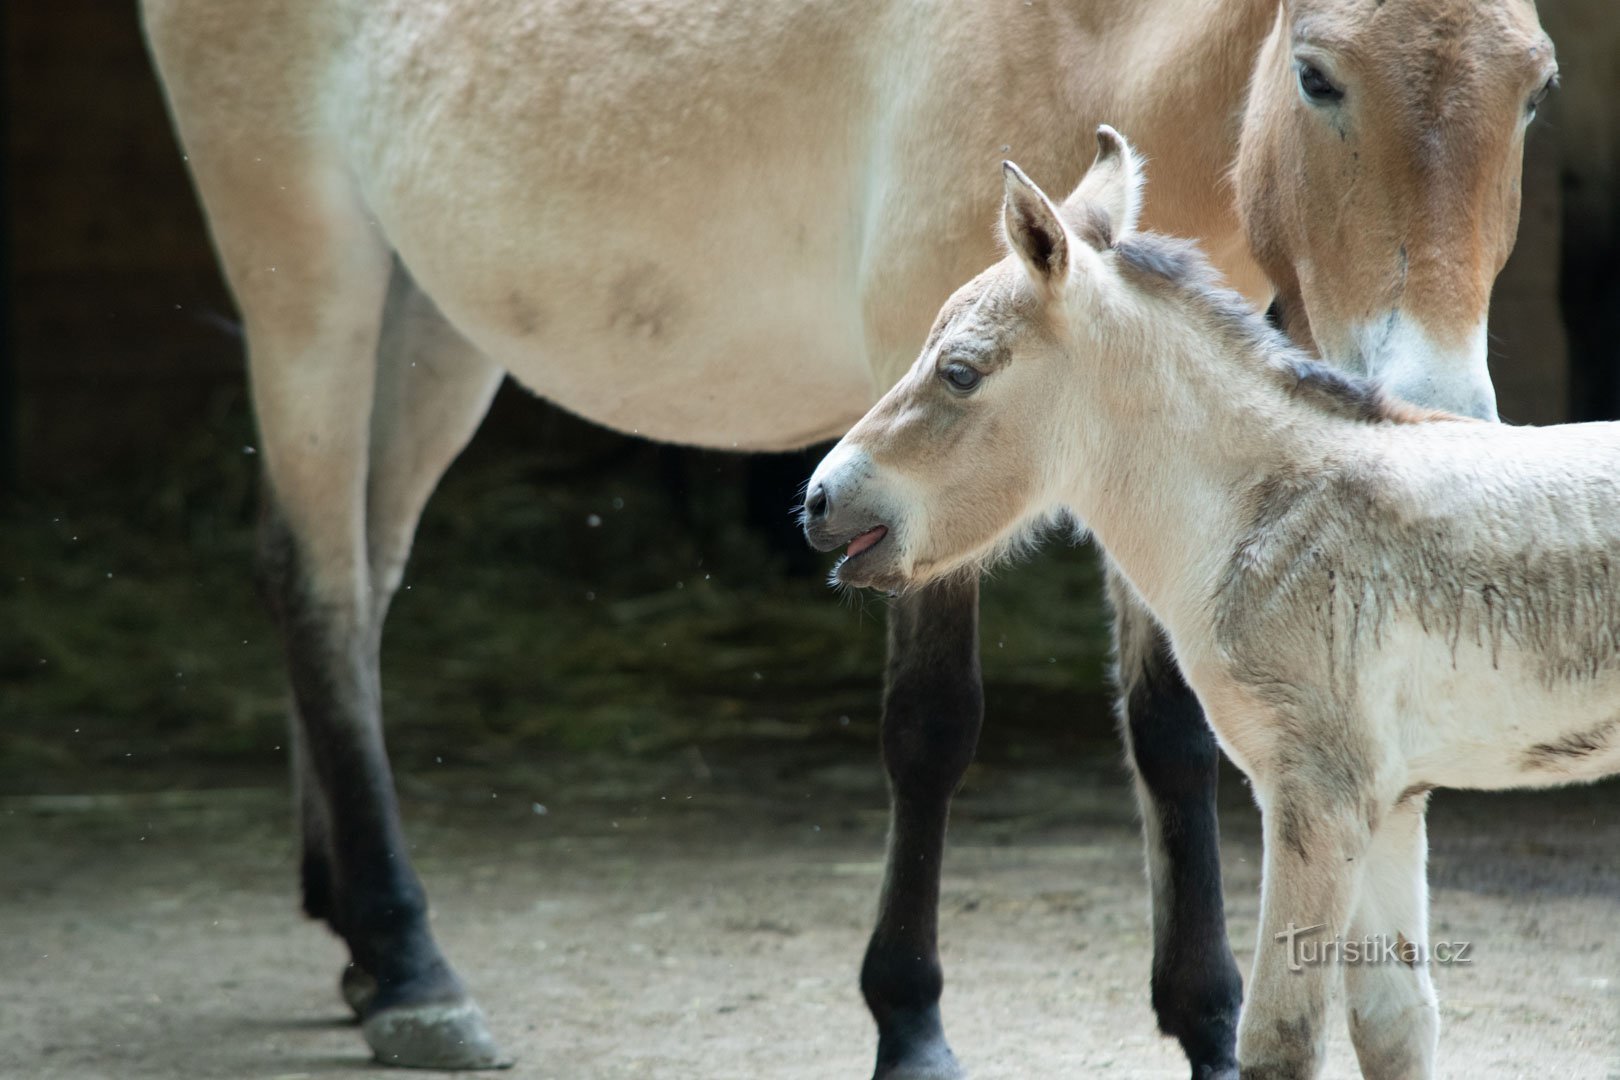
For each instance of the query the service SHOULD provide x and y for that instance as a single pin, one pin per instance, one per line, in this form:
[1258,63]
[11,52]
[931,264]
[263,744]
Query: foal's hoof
[448,1035]
[358,988]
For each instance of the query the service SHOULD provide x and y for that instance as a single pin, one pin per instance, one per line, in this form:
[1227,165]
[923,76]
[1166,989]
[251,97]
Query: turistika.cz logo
[1307,951]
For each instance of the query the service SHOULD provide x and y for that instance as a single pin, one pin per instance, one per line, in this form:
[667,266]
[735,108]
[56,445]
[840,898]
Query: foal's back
[1456,582]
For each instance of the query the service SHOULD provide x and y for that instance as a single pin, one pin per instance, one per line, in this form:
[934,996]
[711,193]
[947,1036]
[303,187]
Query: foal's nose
[816,504]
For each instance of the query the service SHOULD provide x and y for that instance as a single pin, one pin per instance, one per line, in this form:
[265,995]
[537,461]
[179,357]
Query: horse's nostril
[816,503]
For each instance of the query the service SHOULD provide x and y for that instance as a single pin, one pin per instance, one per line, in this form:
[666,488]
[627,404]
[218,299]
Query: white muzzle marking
[1398,353]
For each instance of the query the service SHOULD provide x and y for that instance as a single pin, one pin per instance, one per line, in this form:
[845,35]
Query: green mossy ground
[570,591]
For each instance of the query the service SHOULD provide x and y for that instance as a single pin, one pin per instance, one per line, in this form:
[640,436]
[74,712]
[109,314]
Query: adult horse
[730,224]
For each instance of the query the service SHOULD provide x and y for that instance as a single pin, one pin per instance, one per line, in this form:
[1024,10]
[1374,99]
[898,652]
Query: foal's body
[1456,584]
[1376,600]
[1370,608]
[728,224]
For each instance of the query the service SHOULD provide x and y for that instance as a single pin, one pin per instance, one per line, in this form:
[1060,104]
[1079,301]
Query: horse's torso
[1458,584]
[725,224]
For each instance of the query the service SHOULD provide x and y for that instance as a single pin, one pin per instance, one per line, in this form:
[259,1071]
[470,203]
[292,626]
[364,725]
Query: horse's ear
[1109,198]
[1035,230]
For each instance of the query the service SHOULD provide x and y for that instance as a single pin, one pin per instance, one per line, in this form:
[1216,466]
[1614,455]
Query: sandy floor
[703,914]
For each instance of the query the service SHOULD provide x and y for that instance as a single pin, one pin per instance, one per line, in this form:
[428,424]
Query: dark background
[127,475]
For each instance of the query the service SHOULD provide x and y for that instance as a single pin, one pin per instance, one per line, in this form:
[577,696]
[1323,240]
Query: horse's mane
[1181,265]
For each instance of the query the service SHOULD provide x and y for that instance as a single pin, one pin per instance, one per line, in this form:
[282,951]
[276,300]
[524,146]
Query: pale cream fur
[1369,601]
[728,224]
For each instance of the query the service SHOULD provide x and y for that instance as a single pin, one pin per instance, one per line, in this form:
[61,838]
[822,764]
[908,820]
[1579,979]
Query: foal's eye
[1541,95]
[960,377]
[1317,86]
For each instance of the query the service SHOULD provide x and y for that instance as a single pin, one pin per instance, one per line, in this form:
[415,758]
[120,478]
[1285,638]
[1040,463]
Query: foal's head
[968,451]
[1407,119]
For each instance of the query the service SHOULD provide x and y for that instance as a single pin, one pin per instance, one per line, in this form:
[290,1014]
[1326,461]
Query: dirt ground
[698,727]
[701,913]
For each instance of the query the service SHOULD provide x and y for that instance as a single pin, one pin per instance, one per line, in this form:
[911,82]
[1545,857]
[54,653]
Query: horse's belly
[724,383]
[671,255]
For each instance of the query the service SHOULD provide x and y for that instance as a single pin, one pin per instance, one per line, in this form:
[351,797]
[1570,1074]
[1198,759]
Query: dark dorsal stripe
[1164,261]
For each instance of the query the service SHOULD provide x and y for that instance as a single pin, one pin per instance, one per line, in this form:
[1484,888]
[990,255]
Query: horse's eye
[960,377]
[1541,95]
[1317,87]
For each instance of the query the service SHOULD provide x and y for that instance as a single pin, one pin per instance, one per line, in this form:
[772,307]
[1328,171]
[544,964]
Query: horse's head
[1378,180]
[964,456]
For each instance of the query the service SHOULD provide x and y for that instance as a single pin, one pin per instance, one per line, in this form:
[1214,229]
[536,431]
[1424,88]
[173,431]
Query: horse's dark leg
[419,1013]
[932,709]
[316,874]
[315,845]
[1197,992]
[327,399]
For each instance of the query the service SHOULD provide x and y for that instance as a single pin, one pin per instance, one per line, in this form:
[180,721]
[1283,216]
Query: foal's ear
[1109,198]
[1035,230]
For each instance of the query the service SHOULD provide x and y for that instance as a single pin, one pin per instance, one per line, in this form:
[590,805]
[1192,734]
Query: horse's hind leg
[932,710]
[1394,1016]
[310,276]
[1197,991]
[432,390]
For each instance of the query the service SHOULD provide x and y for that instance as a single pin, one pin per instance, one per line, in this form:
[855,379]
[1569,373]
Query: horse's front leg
[932,710]
[1197,992]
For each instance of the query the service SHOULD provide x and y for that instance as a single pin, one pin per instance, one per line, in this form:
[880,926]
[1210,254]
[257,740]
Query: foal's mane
[1163,261]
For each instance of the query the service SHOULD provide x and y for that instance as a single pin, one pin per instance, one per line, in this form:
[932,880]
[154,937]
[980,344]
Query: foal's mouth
[860,567]
[865,542]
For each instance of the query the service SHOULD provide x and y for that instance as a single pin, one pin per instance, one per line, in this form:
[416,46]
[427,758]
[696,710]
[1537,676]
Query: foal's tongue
[865,540]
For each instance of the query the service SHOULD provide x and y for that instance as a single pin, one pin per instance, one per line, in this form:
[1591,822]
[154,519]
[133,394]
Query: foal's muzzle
[816,505]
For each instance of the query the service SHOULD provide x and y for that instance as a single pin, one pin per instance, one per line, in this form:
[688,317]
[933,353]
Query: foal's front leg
[932,709]
[1316,840]
[1197,991]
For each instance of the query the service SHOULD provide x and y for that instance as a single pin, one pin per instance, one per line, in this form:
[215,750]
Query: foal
[1370,600]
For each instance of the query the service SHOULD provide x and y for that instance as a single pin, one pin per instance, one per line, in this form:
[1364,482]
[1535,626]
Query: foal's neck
[1175,430]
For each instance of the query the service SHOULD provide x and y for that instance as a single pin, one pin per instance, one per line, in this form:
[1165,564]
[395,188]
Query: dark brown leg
[932,711]
[1197,991]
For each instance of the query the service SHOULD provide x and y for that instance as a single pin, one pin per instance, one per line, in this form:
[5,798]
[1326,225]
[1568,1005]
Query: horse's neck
[1187,65]
[1169,452]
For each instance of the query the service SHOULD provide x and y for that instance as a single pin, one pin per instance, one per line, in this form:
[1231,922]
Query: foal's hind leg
[932,709]
[1394,1016]
[1197,992]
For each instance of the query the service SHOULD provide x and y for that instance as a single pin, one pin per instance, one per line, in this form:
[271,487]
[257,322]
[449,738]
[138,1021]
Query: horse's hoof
[449,1035]
[912,1046]
[933,1062]
[1215,1072]
[927,1061]
[358,988]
